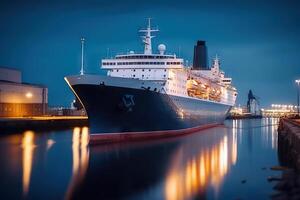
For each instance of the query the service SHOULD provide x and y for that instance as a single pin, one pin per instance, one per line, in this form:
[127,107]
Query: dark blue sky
[258,42]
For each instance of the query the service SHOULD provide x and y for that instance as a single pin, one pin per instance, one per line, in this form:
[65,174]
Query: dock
[10,124]
[289,142]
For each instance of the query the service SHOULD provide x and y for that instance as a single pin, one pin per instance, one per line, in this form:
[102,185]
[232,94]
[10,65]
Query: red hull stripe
[104,138]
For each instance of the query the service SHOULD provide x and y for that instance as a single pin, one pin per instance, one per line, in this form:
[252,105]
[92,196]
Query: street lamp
[298,83]
[28,95]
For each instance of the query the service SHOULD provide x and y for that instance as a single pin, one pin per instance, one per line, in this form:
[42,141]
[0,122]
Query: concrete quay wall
[289,142]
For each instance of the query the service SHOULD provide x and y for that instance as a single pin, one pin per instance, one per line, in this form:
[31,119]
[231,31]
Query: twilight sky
[258,41]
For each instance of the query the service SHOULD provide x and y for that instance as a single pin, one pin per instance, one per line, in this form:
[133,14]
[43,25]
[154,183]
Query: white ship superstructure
[170,71]
[154,92]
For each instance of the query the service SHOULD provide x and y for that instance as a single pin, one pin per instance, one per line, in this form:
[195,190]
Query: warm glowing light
[187,179]
[28,95]
[75,148]
[80,157]
[27,146]
[84,137]
[50,143]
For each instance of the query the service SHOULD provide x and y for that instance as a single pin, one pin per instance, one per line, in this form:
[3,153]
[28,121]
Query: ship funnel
[200,56]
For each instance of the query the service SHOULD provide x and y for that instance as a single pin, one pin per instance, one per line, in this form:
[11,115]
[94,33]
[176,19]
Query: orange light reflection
[209,166]
[80,157]
[28,147]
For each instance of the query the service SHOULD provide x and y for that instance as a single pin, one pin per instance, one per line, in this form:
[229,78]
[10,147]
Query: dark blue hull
[119,109]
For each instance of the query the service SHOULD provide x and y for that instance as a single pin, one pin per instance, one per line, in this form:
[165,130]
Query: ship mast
[147,37]
[82,57]
[216,64]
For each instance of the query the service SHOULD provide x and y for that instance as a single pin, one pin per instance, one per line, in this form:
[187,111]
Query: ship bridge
[154,67]
[144,66]
[142,61]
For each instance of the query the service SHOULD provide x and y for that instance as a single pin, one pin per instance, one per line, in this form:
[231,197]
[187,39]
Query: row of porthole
[144,75]
[143,56]
[134,70]
[134,63]
[174,91]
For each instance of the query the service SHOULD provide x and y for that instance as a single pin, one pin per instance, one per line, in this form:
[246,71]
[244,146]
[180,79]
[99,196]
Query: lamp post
[82,56]
[298,88]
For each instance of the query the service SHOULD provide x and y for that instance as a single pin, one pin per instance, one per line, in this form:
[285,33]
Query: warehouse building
[19,99]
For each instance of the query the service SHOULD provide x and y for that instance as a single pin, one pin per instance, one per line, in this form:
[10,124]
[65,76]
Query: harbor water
[231,161]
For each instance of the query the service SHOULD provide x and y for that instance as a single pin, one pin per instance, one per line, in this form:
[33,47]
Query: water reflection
[270,133]
[205,165]
[80,154]
[274,133]
[27,148]
[50,143]
[190,175]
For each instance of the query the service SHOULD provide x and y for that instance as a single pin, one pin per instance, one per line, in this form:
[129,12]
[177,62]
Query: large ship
[153,94]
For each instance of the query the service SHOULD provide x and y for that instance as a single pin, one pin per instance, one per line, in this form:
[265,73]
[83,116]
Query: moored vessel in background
[153,94]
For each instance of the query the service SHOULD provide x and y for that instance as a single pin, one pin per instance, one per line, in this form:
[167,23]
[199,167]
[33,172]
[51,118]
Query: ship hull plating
[114,109]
